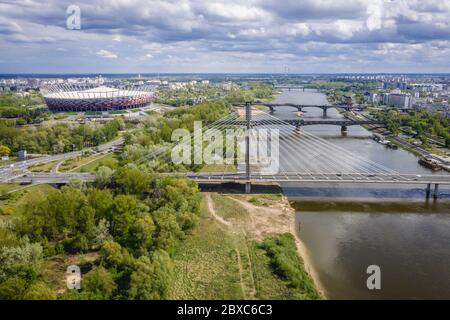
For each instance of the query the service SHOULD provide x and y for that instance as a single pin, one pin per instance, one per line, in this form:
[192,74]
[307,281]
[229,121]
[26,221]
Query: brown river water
[346,228]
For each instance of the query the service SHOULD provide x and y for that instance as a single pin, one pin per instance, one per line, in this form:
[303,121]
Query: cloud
[107,54]
[224,35]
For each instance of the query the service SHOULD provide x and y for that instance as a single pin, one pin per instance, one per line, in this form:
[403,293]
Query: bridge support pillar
[428,191]
[248,119]
[324,112]
[343,128]
[436,191]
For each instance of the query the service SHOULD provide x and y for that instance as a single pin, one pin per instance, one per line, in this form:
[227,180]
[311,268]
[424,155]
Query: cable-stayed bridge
[303,157]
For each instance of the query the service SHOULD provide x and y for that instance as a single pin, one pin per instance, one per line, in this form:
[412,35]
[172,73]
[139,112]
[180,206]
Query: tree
[12,288]
[141,235]
[103,176]
[99,282]
[101,201]
[123,214]
[131,180]
[4,151]
[23,262]
[39,291]
[167,229]
[113,255]
[151,277]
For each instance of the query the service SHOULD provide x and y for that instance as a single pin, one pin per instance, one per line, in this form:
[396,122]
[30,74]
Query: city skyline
[222,37]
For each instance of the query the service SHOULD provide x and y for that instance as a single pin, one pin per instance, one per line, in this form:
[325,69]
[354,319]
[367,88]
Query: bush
[12,288]
[39,291]
[286,263]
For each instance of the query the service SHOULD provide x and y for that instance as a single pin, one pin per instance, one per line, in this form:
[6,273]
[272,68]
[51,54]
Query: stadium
[96,98]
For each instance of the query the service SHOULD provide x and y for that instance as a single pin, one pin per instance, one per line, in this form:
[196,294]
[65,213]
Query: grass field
[84,163]
[227,208]
[220,260]
[7,187]
[206,264]
[15,202]
[45,167]
[106,160]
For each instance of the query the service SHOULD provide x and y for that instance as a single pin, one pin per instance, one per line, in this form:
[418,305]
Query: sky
[225,36]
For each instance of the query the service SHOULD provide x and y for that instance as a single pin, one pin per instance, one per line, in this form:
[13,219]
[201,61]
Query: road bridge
[300,107]
[243,178]
[301,122]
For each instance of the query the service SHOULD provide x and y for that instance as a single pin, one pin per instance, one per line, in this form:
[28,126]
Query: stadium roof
[94,93]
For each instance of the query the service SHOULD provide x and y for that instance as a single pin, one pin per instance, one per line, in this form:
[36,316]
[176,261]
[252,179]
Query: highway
[9,172]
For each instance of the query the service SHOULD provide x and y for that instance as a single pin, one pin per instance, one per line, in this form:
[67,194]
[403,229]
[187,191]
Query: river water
[346,228]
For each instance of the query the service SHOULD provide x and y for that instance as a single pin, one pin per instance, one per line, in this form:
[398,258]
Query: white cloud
[198,35]
[107,54]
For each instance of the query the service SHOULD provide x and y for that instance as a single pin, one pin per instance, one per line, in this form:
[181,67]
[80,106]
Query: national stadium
[70,97]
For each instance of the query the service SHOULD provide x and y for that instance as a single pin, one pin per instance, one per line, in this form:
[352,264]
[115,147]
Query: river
[346,228]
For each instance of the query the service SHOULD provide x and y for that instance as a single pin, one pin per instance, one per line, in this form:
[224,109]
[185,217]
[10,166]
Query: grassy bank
[45,167]
[15,202]
[224,258]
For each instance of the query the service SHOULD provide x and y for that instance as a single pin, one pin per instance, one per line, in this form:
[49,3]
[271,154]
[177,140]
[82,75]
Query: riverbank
[227,256]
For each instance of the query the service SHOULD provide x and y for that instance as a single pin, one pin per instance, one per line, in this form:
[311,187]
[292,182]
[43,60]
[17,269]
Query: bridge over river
[317,160]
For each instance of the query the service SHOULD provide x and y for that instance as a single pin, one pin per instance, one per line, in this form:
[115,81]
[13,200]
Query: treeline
[420,121]
[252,92]
[133,219]
[21,108]
[155,133]
[187,96]
[59,137]
[248,92]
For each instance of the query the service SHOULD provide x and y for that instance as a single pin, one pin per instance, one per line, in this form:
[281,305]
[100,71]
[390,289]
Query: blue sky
[226,36]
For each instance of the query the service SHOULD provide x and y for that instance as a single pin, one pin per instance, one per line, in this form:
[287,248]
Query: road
[395,178]
[8,172]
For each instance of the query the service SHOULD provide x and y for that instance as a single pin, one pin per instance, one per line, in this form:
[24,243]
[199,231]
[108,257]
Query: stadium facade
[96,98]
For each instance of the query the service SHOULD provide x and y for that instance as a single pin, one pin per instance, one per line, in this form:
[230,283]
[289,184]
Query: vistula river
[346,228]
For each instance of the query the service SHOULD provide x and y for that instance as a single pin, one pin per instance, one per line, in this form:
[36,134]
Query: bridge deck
[323,178]
[299,122]
[262,178]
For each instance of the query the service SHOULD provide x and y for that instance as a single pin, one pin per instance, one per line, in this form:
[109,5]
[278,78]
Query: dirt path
[241,273]
[55,169]
[212,211]
[247,287]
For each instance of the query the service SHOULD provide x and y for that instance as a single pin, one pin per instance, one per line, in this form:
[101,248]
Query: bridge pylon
[248,118]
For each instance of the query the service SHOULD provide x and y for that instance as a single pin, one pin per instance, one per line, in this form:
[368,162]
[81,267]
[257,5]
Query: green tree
[4,151]
[103,176]
[151,277]
[12,288]
[99,282]
[39,291]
